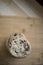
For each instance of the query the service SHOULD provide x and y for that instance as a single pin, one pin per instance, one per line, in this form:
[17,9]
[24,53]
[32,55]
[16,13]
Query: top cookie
[18,45]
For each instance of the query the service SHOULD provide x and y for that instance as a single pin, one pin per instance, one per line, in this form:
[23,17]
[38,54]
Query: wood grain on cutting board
[32,29]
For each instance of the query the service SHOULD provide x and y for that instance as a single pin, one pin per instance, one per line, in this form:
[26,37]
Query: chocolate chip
[10,44]
[16,51]
[15,34]
[26,49]
[15,41]
[21,41]
[24,41]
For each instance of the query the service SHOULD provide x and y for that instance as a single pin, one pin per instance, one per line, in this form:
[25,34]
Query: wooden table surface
[32,29]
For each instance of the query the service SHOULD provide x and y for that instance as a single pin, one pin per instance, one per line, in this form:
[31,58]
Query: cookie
[18,45]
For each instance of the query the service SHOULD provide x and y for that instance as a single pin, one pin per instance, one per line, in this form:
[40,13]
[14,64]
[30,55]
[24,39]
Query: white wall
[21,8]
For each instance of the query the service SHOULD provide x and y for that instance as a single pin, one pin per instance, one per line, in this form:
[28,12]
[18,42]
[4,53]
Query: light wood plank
[32,29]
